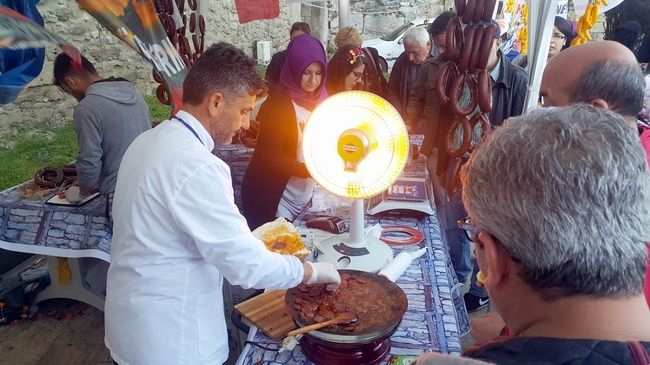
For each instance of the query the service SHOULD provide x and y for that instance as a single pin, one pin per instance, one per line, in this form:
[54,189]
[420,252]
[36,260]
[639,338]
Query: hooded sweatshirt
[107,120]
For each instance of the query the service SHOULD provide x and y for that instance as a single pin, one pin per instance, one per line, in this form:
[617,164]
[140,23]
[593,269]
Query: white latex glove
[73,195]
[324,273]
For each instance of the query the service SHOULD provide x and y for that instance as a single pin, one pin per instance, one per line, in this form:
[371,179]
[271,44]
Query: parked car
[391,45]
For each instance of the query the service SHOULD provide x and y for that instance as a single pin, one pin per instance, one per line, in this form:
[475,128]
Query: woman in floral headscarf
[345,70]
[276,182]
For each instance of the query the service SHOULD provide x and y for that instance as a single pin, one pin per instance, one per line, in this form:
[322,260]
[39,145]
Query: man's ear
[495,264]
[71,82]
[600,103]
[215,103]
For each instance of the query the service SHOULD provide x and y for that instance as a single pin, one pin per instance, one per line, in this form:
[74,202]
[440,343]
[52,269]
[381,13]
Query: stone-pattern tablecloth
[31,225]
[436,316]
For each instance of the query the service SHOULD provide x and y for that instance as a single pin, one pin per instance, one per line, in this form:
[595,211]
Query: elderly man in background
[559,204]
[417,48]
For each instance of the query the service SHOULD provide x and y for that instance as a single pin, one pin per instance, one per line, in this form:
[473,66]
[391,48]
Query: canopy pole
[344,13]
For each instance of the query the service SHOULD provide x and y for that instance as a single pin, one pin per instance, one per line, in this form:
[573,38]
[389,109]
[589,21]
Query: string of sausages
[470,35]
[55,177]
[193,28]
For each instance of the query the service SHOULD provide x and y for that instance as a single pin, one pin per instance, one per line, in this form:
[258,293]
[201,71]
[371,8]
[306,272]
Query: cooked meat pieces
[365,298]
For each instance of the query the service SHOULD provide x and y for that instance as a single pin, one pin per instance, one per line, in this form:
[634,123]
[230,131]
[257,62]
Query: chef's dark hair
[221,68]
[64,66]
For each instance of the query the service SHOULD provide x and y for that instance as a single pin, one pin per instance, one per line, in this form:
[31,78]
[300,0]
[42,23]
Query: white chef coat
[177,233]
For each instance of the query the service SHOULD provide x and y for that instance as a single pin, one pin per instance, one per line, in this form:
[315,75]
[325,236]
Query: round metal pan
[389,291]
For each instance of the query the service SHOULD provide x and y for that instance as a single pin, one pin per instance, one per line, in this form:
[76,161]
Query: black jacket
[508,92]
[401,82]
[544,350]
[273,161]
[373,75]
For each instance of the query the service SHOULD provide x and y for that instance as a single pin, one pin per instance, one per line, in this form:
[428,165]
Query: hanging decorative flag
[22,52]
[249,10]
[136,24]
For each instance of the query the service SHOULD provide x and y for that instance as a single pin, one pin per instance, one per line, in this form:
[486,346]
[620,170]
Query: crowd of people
[555,202]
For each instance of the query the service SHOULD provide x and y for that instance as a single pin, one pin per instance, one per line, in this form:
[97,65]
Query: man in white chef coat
[177,231]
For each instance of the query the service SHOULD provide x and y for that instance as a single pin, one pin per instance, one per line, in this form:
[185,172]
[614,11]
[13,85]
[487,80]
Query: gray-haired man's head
[566,193]
[417,44]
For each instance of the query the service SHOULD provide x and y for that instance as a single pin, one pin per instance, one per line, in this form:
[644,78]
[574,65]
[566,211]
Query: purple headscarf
[303,50]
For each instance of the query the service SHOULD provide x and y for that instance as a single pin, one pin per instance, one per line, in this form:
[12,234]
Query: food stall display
[377,304]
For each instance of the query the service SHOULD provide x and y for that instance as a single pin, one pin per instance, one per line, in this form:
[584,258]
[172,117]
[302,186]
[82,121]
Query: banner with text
[135,22]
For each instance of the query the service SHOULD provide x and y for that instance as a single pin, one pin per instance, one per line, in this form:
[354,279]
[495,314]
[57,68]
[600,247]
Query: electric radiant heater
[355,145]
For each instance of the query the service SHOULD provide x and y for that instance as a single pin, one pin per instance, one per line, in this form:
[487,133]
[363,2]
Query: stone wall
[372,18]
[43,101]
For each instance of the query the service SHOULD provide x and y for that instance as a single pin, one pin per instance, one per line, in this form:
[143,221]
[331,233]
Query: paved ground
[63,332]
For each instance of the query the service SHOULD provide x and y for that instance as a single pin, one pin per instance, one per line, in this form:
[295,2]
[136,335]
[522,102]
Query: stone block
[74,237]
[11,235]
[16,219]
[57,242]
[60,224]
[55,233]
[16,225]
[75,229]
[24,212]
[28,237]
[72,218]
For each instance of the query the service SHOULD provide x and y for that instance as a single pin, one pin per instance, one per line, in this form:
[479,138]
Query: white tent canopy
[541,15]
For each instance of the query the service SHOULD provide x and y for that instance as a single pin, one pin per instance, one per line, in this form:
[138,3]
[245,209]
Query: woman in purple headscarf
[276,182]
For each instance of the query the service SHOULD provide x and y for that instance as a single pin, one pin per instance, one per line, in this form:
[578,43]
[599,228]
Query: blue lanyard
[189,127]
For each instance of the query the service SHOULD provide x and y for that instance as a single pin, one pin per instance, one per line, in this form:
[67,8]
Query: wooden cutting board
[267,312]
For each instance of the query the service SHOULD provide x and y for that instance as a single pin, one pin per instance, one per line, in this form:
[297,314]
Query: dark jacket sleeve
[519,90]
[394,83]
[415,104]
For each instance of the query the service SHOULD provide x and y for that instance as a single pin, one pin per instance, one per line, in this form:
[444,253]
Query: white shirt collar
[204,136]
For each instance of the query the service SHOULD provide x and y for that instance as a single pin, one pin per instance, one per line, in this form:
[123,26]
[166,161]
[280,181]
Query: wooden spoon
[342,318]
